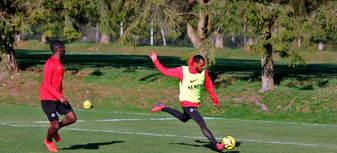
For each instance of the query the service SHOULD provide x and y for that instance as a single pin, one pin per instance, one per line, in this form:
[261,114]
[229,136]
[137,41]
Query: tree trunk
[299,42]
[192,36]
[43,39]
[97,33]
[121,29]
[200,36]
[163,35]
[202,26]
[151,34]
[11,60]
[267,69]
[105,39]
[219,38]
[245,28]
[267,62]
[233,40]
[18,37]
[250,41]
[320,46]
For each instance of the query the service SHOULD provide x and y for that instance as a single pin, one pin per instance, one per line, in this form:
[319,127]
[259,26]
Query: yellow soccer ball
[87,104]
[229,142]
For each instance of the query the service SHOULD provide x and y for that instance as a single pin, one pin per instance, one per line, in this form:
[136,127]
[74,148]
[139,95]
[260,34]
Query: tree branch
[4,19]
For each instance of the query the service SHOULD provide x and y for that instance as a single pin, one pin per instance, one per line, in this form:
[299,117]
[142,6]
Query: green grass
[131,82]
[144,133]
[123,79]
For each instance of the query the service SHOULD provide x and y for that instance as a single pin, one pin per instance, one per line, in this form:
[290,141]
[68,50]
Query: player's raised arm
[173,72]
[153,56]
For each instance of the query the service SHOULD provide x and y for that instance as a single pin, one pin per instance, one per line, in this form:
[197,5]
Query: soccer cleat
[219,146]
[158,107]
[56,136]
[50,145]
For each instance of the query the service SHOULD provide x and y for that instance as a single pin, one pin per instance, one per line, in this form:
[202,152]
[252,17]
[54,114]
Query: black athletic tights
[192,113]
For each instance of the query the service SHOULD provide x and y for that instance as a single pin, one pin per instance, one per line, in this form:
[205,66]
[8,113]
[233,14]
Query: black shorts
[52,108]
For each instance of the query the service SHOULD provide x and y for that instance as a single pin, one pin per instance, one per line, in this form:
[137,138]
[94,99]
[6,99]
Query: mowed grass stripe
[251,136]
[167,135]
[226,125]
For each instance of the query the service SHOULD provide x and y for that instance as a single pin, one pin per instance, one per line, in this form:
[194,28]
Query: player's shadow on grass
[90,146]
[207,144]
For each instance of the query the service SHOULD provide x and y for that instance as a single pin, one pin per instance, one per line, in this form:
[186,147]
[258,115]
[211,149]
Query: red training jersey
[178,73]
[51,87]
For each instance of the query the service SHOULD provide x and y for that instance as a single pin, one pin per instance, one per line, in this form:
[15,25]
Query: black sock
[51,140]
[60,124]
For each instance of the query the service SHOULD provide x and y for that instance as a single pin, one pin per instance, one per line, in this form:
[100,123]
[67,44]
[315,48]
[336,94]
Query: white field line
[117,112]
[112,120]
[44,121]
[167,135]
[214,118]
[274,122]
[206,118]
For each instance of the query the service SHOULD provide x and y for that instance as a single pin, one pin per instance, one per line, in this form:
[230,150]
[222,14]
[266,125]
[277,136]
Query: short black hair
[56,44]
[197,58]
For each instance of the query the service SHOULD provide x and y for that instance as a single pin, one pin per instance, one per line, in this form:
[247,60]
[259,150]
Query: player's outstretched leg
[181,116]
[157,107]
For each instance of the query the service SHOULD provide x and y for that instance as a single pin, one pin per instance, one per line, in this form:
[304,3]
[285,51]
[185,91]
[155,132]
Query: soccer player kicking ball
[51,95]
[192,80]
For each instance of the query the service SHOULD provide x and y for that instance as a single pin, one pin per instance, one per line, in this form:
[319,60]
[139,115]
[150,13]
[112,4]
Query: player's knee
[71,117]
[73,120]
[55,126]
[184,119]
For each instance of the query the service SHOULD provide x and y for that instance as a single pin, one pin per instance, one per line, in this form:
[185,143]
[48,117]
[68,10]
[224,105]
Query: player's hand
[217,105]
[153,56]
[63,101]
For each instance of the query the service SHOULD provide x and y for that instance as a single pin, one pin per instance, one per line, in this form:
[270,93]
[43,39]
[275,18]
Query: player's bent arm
[210,88]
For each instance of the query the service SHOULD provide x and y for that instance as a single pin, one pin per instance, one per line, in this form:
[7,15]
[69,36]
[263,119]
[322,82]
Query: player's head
[198,63]
[57,47]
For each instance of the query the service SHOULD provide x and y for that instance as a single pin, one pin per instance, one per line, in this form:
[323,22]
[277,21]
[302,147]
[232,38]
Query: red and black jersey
[51,87]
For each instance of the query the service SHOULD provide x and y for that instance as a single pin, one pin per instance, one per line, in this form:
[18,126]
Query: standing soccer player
[192,78]
[51,95]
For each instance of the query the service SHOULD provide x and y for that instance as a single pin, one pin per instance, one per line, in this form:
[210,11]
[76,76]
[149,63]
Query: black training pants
[192,113]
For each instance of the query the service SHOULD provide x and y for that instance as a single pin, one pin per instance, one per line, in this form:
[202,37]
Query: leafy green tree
[170,15]
[139,14]
[15,15]
[279,25]
[106,15]
[11,20]
[52,16]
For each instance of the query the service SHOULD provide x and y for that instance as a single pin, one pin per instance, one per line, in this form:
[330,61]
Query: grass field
[23,129]
[123,86]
